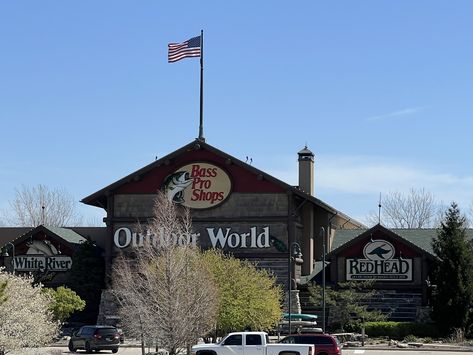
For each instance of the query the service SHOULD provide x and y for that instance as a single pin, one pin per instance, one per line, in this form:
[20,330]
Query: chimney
[306,171]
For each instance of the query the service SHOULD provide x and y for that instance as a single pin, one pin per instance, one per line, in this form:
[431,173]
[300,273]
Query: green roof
[318,267]
[420,237]
[67,234]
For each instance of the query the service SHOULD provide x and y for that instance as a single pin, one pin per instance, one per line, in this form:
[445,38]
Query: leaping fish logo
[380,252]
[175,184]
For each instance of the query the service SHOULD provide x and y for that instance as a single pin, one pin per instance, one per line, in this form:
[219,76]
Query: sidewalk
[411,346]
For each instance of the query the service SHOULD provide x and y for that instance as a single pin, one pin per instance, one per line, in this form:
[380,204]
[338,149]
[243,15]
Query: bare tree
[469,215]
[417,208]
[37,205]
[163,289]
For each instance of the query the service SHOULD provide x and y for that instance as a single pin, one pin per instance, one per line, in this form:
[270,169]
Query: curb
[411,348]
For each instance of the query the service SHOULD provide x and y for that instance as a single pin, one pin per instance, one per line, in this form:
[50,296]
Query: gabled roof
[318,268]
[69,236]
[8,234]
[420,238]
[99,198]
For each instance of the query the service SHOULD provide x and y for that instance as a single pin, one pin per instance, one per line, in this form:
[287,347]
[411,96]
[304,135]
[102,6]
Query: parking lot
[137,351]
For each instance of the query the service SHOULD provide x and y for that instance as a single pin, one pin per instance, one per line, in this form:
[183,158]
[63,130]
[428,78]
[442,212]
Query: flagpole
[201,124]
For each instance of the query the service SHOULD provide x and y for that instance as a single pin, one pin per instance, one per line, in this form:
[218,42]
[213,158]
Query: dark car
[95,337]
[325,344]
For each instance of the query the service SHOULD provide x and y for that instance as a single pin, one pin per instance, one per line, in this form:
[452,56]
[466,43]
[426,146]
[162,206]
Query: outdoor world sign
[219,237]
[197,185]
[379,264]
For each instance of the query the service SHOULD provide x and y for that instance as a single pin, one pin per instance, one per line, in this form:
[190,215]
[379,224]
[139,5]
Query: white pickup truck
[251,343]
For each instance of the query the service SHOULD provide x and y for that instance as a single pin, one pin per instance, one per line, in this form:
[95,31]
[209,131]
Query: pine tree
[453,274]
[347,304]
[87,280]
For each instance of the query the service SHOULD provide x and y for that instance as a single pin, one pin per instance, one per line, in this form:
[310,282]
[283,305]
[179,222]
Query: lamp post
[294,253]
[322,234]
[5,253]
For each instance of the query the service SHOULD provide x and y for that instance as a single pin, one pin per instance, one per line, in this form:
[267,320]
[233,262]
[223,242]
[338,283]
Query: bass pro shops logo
[175,184]
[197,185]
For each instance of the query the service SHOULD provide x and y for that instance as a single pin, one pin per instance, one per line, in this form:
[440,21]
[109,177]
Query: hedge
[399,330]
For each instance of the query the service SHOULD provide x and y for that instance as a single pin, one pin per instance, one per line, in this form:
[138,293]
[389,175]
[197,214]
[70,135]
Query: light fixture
[5,253]
[295,254]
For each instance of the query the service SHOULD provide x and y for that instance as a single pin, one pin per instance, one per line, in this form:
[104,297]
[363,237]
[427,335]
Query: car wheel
[71,347]
[114,351]
[88,350]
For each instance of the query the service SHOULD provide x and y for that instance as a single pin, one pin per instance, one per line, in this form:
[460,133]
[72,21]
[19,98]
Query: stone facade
[233,205]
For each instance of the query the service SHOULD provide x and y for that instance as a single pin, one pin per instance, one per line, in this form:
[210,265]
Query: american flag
[189,48]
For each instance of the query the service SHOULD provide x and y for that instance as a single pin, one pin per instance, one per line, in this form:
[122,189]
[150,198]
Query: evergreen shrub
[400,330]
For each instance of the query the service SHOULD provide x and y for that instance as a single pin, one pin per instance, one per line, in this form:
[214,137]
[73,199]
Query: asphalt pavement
[126,350]
[351,348]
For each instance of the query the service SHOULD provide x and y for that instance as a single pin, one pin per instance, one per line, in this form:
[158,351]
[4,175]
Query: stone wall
[108,309]
[238,205]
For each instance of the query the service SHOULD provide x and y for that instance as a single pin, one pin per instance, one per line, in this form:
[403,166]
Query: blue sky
[381,91]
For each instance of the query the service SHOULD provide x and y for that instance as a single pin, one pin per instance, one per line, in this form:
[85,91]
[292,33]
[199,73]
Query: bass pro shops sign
[197,185]
[379,264]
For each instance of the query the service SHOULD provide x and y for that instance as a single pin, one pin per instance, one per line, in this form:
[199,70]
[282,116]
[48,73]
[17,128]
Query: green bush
[64,302]
[400,330]
[410,339]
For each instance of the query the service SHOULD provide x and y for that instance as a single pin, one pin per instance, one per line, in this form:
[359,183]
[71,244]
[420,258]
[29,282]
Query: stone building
[234,206]
[246,212]
[397,260]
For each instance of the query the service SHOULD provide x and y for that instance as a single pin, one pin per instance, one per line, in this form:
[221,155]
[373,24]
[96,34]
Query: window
[288,340]
[325,341]
[87,331]
[233,340]
[253,339]
[316,340]
[107,331]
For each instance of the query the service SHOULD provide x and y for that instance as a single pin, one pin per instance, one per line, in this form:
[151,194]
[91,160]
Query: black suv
[95,337]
